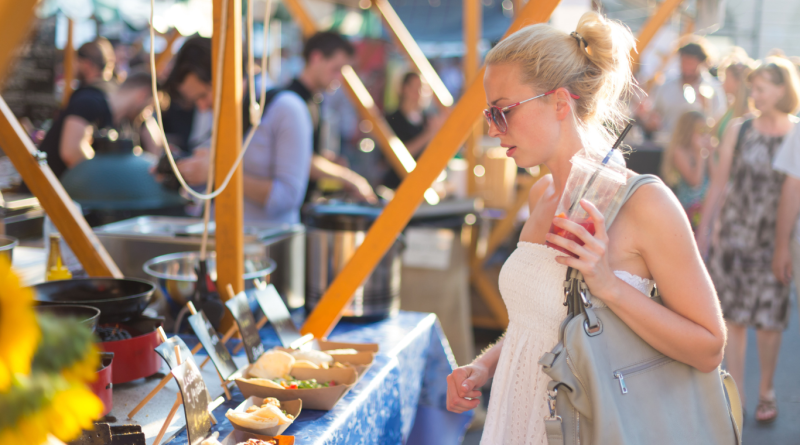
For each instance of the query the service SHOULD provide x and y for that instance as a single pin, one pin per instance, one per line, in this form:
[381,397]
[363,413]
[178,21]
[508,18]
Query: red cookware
[135,358]
[102,387]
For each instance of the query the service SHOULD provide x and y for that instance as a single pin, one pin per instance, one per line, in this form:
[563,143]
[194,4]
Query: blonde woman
[552,94]
[733,72]
[740,263]
[685,166]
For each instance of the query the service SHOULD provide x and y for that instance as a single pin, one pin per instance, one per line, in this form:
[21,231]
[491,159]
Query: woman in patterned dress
[740,262]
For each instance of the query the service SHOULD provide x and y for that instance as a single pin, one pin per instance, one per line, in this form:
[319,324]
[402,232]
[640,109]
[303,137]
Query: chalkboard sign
[240,309]
[195,401]
[167,351]
[30,89]
[271,303]
[215,349]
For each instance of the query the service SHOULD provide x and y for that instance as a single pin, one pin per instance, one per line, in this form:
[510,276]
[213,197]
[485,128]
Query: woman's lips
[510,151]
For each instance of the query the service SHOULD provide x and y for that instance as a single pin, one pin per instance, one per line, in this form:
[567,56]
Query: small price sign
[240,309]
[195,401]
[215,349]
[167,351]
[271,303]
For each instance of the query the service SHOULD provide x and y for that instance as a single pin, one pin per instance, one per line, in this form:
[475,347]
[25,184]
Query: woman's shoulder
[653,208]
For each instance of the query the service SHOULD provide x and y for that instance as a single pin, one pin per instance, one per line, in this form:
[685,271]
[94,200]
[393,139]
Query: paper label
[271,303]
[195,401]
[428,248]
[215,349]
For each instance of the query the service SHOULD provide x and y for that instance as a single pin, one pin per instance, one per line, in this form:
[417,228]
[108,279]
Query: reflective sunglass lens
[499,120]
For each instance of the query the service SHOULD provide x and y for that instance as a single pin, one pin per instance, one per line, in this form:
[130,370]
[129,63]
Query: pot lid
[340,216]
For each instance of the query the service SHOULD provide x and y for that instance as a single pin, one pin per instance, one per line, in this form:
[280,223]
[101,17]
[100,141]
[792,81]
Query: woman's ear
[563,103]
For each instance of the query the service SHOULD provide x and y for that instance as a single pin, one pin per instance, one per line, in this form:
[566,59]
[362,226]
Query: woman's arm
[691,170]
[720,175]
[788,210]
[689,326]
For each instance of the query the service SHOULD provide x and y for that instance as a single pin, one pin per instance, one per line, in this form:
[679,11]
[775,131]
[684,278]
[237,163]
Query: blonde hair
[739,66]
[593,63]
[780,71]
[682,135]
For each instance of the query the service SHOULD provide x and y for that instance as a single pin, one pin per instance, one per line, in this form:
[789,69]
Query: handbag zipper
[620,374]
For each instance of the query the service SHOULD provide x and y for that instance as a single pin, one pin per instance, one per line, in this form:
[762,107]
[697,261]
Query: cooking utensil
[118,299]
[135,358]
[87,315]
[177,276]
[102,386]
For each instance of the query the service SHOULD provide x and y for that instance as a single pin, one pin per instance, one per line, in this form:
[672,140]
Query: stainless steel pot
[334,232]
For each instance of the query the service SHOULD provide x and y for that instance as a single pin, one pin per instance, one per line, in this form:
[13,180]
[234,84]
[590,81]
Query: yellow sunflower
[19,331]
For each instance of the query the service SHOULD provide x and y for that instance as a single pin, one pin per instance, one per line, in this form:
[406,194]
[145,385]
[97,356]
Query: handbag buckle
[586,302]
[551,404]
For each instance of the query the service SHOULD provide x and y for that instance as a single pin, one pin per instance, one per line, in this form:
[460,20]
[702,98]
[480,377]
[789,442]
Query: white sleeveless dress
[532,285]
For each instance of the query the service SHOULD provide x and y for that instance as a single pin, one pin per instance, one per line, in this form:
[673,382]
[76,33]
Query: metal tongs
[596,173]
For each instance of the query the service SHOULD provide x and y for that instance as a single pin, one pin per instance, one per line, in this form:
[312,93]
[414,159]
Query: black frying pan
[119,300]
[87,315]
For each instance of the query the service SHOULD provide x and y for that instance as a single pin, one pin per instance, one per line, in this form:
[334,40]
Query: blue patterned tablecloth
[409,372]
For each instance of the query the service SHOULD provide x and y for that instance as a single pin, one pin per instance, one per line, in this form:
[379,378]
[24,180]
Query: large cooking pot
[334,232]
[119,299]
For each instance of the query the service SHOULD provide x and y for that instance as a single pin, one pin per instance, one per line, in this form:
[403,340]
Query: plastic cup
[603,193]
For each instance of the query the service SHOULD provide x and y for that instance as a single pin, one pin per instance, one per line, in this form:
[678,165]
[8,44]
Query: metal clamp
[586,302]
[40,156]
[551,405]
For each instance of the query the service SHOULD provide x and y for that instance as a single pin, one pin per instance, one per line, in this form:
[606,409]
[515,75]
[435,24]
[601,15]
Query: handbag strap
[625,194]
[735,402]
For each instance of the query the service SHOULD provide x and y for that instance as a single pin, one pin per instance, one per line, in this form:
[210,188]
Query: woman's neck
[774,122]
[407,107]
[560,164]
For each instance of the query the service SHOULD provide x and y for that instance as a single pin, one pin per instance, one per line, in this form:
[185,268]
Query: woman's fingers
[456,403]
[567,244]
[598,219]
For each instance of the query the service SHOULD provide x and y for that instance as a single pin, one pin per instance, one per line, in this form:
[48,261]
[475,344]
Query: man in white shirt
[693,89]
[786,260]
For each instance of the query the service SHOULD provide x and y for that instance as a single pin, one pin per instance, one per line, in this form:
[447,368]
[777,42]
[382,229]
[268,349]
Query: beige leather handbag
[610,387]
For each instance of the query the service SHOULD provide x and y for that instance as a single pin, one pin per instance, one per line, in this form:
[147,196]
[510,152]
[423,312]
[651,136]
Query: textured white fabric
[532,285]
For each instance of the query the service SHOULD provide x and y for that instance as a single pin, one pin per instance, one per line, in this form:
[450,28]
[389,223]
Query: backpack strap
[740,138]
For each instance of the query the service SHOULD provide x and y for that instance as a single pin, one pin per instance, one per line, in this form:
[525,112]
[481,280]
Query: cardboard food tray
[362,360]
[321,398]
[241,436]
[292,407]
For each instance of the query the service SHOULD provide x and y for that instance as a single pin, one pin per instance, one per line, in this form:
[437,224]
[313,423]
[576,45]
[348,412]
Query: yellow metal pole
[53,198]
[15,20]
[403,38]
[69,64]
[228,205]
[473,15]
[651,27]
[398,212]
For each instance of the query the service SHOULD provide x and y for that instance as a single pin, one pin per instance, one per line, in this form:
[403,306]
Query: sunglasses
[497,115]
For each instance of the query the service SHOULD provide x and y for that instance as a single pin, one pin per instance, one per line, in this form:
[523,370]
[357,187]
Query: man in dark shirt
[325,54]
[69,141]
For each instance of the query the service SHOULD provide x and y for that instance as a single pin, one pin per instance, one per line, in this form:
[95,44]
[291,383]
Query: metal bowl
[7,245]
[176,275]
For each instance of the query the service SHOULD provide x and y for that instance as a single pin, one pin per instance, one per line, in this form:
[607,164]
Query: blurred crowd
[732,156]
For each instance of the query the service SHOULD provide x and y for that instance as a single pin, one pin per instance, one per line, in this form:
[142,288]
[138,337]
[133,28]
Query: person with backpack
[552,95]
[740,262]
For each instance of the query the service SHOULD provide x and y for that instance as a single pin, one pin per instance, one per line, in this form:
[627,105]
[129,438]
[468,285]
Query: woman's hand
[463,387]
[782,264]
[592,258]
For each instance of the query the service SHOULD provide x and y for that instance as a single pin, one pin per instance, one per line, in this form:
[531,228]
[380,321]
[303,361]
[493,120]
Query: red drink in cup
[593,181]
[587,224]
